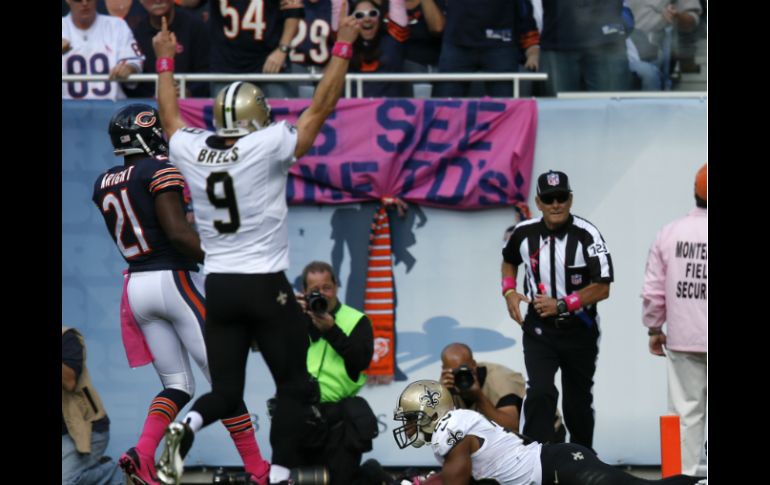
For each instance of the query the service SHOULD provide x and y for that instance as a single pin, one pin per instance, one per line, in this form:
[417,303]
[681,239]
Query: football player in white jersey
[469,445]
[96,44]
[237,178]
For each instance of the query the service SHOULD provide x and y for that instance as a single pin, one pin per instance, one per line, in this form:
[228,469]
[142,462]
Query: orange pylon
[670,446]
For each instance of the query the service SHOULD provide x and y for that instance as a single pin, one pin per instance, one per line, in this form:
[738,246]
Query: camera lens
[317,302]
[463,377]
[316,475]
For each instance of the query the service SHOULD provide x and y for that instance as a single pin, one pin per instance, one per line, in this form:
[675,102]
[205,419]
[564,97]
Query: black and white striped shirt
[563,261]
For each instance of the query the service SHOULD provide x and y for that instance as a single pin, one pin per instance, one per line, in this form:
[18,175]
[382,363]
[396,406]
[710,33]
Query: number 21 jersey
[125,196]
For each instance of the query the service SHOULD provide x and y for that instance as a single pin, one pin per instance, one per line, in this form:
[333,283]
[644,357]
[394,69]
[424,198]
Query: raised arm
[397,13]
[329,89]
[434,17]
[164,44]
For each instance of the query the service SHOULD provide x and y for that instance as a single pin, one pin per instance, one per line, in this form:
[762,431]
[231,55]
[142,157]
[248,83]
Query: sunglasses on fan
[362,14]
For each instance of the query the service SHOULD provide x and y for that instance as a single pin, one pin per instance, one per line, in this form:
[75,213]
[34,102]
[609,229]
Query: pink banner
[455,154]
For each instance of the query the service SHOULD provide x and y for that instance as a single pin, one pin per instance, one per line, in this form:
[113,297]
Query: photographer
[491,389]
[341,347]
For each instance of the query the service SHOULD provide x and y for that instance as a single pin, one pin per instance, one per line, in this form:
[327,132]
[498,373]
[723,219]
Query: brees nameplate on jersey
[215,157]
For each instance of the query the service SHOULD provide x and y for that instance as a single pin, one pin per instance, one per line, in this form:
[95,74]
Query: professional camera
[317,302]
[463,377]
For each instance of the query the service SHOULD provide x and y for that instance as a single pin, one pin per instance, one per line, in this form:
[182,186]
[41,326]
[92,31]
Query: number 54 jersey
[125,196]
[239,196]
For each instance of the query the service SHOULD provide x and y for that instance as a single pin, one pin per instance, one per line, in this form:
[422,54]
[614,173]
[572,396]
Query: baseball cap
[552,182]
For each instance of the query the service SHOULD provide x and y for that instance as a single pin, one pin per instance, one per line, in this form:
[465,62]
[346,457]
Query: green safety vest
[328,366]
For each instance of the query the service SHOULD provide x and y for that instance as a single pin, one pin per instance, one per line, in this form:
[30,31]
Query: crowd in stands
[609,45]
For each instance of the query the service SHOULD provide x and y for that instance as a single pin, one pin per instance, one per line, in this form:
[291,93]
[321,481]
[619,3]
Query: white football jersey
[97,50]
[503,456]
[239,196]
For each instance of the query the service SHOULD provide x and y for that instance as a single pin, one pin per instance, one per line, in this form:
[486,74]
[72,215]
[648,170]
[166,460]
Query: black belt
[570,321]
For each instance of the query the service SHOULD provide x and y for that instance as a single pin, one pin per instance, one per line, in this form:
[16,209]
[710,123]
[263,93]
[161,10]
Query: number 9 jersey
[239,196]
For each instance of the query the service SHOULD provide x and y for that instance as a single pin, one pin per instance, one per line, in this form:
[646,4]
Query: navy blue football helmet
[136,129]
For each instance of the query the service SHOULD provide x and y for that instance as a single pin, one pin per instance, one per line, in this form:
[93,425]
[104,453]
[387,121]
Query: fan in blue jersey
[487,36]
[426,27]
[192,35]
[163,307]
[584,46]
[312,46]
[252,36]
[469,445]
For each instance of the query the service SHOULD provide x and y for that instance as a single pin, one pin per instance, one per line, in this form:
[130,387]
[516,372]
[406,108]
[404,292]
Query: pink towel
[137,352]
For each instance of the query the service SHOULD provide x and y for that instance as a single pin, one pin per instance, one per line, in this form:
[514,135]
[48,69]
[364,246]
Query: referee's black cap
[553,182]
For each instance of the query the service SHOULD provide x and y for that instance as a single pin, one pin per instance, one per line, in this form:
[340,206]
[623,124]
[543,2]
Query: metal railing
[633,94]
[358,79]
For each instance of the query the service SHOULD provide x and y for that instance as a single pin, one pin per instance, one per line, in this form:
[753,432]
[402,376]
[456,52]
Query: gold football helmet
[420,406]
[240,109]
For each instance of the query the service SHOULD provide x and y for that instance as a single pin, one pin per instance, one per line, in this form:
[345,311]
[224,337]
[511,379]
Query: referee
[568,270]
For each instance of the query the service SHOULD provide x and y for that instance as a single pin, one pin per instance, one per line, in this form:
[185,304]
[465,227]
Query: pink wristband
[343,49]
[509,283]
[164,64]
[573,302]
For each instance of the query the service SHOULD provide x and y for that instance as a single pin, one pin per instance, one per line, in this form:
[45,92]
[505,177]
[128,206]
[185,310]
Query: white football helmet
[420,406]
[240,109]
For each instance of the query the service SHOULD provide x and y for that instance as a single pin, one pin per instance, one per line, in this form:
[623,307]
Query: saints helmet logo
[430,398]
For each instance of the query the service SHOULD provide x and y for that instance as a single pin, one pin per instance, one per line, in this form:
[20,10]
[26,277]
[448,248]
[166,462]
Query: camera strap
[323,358]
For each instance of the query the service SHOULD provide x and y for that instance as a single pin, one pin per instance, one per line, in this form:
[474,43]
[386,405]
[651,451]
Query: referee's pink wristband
[509,283]
[342,49]
[573,302]
[164,64]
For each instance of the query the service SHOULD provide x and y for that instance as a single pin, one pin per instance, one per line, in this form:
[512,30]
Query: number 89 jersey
[239,196]
[96,51]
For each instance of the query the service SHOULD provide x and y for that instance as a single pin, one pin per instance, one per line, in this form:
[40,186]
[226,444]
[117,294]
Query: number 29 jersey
[239,196]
